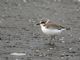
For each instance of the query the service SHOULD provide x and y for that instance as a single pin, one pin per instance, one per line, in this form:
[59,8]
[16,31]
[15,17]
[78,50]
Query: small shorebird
[50,28]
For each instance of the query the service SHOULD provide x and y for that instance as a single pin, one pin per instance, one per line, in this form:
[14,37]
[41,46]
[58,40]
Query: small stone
[70,48]
[18,54]
[77,9]
[40,55]
[51,48]
[62,57]
[63,41]
[37,50]
[48,50]
[30,20]
[63,54]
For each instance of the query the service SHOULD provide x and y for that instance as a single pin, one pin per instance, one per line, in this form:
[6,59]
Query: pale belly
[51,31]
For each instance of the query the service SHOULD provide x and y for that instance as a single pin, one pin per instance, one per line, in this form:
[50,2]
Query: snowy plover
[50,28]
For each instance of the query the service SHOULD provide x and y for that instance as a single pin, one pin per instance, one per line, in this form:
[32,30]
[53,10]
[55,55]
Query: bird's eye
[42,22]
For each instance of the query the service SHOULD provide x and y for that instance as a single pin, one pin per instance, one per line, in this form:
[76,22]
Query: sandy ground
[19,33]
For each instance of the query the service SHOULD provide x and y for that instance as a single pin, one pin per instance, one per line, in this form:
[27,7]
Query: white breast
[51,31]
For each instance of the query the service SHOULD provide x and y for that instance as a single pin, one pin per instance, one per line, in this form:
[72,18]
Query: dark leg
[50,39]
[51,42]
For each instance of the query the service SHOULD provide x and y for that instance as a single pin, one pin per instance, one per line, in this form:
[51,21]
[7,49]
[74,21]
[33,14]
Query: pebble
[50,48]
[37,50]
[18,54]
[63,41]
[70,48]
[40,55]
[62,57]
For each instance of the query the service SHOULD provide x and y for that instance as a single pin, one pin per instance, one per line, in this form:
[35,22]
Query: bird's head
[43,22]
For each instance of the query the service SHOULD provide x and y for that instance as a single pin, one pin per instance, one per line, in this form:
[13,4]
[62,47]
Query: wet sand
[20,34]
